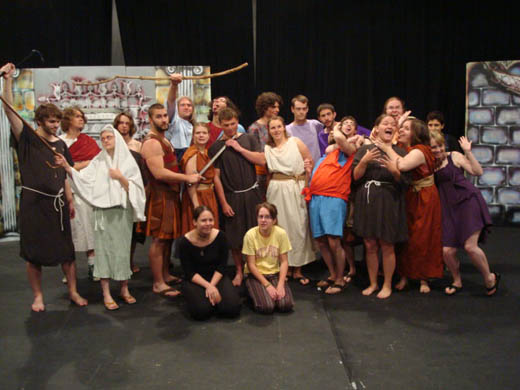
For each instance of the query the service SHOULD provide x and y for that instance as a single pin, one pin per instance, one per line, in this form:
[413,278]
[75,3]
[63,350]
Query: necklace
[202,239]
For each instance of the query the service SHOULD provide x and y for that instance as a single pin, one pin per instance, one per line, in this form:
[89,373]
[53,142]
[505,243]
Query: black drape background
[66,32]
[353,54]
[193,32]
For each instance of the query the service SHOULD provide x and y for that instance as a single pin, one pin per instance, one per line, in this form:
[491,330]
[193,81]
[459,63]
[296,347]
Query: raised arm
[153,156]
[16,123]
[175,80]
[346,147]
[467,161]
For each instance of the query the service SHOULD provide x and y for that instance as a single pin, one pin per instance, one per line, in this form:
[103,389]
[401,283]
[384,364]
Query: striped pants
[262,301]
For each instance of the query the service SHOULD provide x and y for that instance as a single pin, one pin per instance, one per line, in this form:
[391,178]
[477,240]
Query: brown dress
[205,189]
[45,233]
[163,214]
[422,255]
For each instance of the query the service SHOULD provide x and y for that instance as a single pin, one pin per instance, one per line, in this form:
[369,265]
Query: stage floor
[347,341]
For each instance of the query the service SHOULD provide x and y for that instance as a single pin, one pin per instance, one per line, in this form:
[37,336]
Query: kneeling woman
[204,252]
[113,185]
[266,247]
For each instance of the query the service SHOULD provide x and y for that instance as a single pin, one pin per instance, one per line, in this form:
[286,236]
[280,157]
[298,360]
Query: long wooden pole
[8,105]
[207,76]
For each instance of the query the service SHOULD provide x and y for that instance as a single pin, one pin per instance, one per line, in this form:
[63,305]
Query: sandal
[341,287]
[325,283]
[490,291]
[111,306]
[129,299]
[164,293]
[456,290]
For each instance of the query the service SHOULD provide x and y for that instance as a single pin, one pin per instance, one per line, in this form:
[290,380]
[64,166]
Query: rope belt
[283,176]
[248,189]
[377,183]
[59,203]
[418,185]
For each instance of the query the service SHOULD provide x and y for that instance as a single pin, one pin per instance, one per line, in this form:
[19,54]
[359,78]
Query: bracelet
[267,284]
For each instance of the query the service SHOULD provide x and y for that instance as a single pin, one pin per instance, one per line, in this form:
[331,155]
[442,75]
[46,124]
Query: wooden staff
[207,76]
[28,125]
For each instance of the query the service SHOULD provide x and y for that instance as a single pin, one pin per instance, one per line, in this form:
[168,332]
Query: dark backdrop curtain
[66,32]
[355,54]
[193,32]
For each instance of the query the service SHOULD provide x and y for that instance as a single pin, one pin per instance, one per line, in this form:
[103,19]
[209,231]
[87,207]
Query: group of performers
[277,192]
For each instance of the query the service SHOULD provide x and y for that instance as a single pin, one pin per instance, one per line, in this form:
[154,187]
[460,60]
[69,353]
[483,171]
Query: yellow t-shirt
[266,249]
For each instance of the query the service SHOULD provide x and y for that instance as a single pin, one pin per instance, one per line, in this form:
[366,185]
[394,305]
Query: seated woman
[112,184]
[266,247]
[203,252]
[465,216]
[203,193]
[421,258]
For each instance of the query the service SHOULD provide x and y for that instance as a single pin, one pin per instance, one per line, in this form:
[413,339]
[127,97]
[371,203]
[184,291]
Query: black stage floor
[410,341]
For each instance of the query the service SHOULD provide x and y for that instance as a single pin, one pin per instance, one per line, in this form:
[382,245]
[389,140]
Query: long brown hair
[270,140]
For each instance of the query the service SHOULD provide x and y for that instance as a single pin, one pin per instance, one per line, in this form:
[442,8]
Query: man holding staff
[45,233]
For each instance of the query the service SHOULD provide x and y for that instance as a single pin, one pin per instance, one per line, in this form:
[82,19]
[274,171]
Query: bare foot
[38,304]
[347,278]
[335,289]
[369,290]
[237,280]
[384,293]
[401,284]
[424,289]
[165,291]
[172,279]
[78,299]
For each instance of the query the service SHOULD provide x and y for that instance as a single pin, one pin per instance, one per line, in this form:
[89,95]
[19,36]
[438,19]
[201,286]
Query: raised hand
[176,78]
[465,144]
[8,70]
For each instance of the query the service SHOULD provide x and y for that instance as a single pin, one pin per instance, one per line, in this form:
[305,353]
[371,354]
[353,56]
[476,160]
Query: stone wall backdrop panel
[493,125]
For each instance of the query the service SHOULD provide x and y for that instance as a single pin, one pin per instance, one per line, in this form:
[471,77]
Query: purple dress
[464,210]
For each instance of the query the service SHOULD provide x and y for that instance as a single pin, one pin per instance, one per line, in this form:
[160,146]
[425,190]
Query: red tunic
[85,148]
[163,214]
[421,258]
[205,190]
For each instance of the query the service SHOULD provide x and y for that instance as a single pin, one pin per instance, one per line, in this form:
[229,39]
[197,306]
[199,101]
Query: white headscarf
[96,186]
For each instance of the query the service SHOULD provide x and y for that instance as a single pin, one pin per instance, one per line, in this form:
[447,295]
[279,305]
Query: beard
[161,128]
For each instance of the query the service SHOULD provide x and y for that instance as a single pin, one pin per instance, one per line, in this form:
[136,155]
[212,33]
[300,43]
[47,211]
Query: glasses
[265,217]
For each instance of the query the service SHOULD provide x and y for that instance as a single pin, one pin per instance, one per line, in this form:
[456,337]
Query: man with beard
[124,123]
[327,116]
[163,215]
[239,193]
[45,233]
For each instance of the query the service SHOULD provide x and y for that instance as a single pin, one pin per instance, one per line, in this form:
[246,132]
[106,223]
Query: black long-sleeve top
[203,260]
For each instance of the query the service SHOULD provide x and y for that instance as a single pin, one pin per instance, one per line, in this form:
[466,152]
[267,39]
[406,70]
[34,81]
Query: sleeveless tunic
[163,214]
[285,193]
[464,210]
[205,189]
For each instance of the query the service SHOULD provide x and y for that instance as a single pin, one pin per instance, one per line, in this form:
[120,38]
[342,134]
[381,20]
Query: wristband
[267,284]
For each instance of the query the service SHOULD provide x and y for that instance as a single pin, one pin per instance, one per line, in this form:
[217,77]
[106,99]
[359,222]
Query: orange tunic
[163,214]
[205,190]
[421,258]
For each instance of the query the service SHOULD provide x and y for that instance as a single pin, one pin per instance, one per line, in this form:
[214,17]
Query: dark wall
[353,54]
[66,32]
